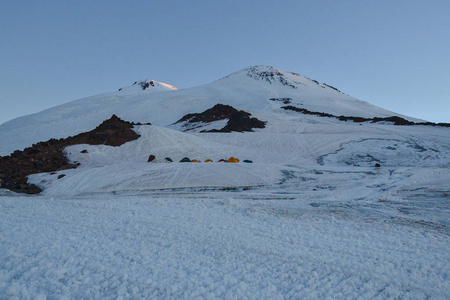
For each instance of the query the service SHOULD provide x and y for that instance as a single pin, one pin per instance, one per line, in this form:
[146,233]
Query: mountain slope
[258,88]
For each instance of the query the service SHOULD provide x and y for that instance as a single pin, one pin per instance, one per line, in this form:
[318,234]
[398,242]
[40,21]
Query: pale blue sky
[393,54]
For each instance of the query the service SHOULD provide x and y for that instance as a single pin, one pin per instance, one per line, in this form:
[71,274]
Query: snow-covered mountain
[337,202]
[261,89]
[295,122]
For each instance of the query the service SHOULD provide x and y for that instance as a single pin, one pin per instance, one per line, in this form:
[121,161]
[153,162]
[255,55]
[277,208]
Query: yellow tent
[233,160]
[208,160]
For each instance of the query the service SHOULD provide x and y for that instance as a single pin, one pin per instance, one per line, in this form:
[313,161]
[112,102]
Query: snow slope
[334,148]
[249,89]
[215,245]
[311,217]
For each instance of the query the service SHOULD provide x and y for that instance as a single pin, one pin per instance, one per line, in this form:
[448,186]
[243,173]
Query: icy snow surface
[310,218]
[219,245]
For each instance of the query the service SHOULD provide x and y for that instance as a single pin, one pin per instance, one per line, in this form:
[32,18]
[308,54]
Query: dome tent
[233,160]
[185,159]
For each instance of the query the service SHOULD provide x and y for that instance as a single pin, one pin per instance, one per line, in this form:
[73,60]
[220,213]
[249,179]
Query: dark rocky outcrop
[238,120]
[307,112]
[284,100]
[241,121]
[49,156]
[218,112]
[332,87]
[144,84]
[394,119]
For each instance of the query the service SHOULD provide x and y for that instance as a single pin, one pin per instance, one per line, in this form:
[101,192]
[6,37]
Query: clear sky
[393,54]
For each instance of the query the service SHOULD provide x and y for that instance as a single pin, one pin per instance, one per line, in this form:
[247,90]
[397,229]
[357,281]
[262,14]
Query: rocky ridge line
[394,119]
[49,156]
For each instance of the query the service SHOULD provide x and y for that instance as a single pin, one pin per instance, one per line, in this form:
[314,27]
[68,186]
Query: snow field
[219,245]
[135,176]
[300,150]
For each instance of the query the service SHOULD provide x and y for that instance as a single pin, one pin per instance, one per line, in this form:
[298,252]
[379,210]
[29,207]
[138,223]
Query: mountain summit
[272,75]
[147,85]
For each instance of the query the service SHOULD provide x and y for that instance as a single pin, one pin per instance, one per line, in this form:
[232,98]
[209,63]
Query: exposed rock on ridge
[237,120]
[49,156]
[394,119]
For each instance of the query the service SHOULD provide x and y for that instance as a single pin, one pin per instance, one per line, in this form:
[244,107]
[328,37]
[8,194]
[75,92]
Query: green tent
[185,159]
[168,159]
[247,161]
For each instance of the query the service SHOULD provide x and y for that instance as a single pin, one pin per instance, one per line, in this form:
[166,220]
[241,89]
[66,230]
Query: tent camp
[233,160]
[185,159]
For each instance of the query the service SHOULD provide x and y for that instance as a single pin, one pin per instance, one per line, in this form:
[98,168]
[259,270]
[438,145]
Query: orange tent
[194,160]
[233,160]
[208,160]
